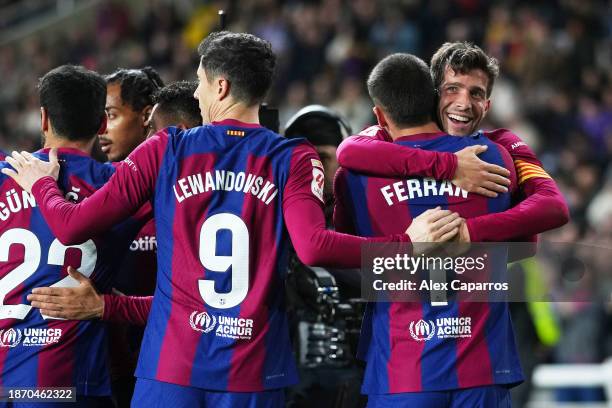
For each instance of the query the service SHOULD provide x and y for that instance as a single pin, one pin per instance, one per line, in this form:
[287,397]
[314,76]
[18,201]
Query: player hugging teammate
[217,332]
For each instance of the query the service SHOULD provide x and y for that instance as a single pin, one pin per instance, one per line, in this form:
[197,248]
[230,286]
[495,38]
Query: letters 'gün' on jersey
[35,350]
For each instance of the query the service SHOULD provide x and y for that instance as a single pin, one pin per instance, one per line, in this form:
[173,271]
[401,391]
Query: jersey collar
[237,123]
[65,150]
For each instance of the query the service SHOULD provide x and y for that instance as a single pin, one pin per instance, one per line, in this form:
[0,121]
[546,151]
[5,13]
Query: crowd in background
[555,87]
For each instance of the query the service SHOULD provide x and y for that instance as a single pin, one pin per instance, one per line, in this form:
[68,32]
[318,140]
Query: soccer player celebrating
[406,368]
[36,350]
[225,195]
[464,76]
[129,102]
[174,106]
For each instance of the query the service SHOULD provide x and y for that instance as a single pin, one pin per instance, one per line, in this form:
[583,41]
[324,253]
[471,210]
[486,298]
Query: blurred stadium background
[555,91]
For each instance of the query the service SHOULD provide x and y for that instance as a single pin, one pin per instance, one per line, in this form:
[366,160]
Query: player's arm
[428,229]
[127,309]
[124,194]
[305,220]
[83,302]
[342,219]
[543,208]
[370,153]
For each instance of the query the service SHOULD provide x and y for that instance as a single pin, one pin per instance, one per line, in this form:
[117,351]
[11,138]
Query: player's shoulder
[483,138]
[496,153]
[375,132]
[505,137]
[4,177]
[84,167]
[221,132]
[518,149]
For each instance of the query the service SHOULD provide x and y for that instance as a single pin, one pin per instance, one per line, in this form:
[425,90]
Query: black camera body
[326,326]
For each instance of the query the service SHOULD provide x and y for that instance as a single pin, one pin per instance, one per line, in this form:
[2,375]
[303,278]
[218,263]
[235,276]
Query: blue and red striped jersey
[401,341]
[226,199]
[220,289]
[36,351]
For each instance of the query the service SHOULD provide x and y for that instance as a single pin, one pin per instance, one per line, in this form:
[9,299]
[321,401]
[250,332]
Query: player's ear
[380,116]
[146,115]
[223,88]
[487,106]
[103,124]
[44,119]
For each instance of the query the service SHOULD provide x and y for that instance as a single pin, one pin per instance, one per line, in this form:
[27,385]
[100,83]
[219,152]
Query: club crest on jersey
[10,337]
[202,322]
[443,328]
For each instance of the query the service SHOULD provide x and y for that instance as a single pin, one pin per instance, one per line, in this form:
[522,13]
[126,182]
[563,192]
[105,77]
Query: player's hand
[460,243]
[478,176]
[463,236]
[434,225]
[28,169]
[82,302]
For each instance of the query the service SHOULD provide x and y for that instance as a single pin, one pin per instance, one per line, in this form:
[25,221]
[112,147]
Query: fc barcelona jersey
[400,340]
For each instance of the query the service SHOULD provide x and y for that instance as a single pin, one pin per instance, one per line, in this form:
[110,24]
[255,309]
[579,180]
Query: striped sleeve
[123,195]
[542,209]
[526,171]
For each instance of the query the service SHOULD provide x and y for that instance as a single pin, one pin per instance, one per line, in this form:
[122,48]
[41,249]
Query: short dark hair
[74,99]
[176,103]
[245,60]
[138,86]
[401,84]
[463,57]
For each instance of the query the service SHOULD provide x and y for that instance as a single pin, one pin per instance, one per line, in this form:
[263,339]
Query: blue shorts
[492,396]
[152,394]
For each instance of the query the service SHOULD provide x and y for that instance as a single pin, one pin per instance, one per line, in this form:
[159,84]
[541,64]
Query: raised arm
[315,245]
[543,208]
[370,152]
[124,194]
[303,213]
[426,231]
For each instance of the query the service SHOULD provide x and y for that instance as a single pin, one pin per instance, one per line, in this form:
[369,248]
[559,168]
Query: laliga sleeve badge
[318,181]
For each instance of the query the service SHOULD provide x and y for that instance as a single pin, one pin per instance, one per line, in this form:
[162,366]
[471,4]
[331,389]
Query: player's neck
[52,141]
[238,112]
[396,132]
